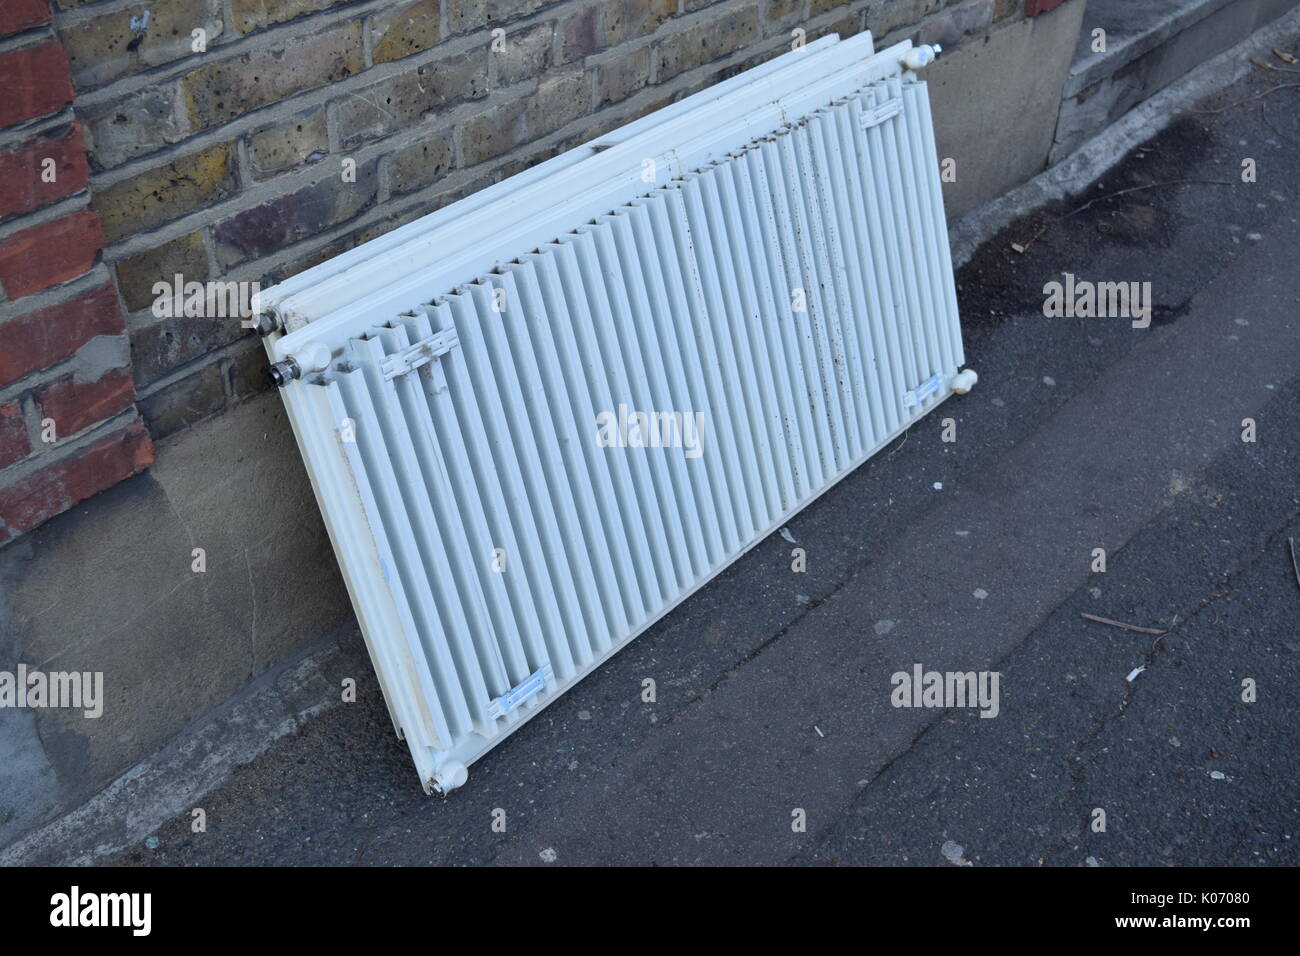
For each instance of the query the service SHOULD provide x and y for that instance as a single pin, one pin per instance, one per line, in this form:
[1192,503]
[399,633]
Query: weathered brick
[139,123]
[882,21]
[290,218]
[295,142]
[785,9]
[605,123]
[707,41]
[184,402]
[74,404]
[407,99]
[1034,7]
[502,11]
[420,164]
[35,499]
[559,100]
[220,91]
[52,252]
[493,132]
[251,15]
[168,344]
[846,26]
[310,259]
[579,35]
[137,274]
[530,154]
[341,244]
[35,82]
[818,7]
[619,78]
[404,30]
[15,444]
[761,57]
[104,48]
[949,27]
[525,55]
[465,15]
[1006,8]
[248,373]
[23,171]
[19,15]
[645,108]
[151,198]
[45,336]
[629,19]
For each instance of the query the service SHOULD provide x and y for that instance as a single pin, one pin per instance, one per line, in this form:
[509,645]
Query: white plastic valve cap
[920,57]
[313,357]
[964,381]
[450,776]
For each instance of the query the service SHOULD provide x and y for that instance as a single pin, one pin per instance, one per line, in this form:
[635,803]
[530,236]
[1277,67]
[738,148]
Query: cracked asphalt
[774,687]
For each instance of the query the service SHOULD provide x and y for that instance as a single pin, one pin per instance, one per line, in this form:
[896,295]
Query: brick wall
[69,425]
[246,140]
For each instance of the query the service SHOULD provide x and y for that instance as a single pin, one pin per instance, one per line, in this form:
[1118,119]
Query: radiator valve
[267,322]
[449,776]
[922,56]
[282,373]
[964,381]
[313,357]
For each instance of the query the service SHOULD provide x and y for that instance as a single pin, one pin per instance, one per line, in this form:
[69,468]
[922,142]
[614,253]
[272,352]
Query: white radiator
[540,418]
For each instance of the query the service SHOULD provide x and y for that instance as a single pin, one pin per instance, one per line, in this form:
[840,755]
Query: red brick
[14,443]
[41,338]
[35,81]
[53,252]
[19,15]
[76,405]
[39,497]
[21,169]
[1034,7]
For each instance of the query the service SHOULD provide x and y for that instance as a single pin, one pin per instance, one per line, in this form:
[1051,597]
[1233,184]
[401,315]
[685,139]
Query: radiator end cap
[449,777]
[965,381]
[919,57]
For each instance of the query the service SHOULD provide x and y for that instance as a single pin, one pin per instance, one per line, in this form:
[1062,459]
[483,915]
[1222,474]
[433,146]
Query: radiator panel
[793,294]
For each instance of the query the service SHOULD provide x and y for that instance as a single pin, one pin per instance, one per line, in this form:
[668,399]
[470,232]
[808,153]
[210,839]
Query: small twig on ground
[1271,89]
[1127,627]
[1269,66]
[1021,247]
[1133,189]
[897,448]
[1294,567]
[1263,113]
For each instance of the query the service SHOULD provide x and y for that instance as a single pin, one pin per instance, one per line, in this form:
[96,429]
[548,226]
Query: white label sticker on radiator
[877,114]
[530,686]
[923,391]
